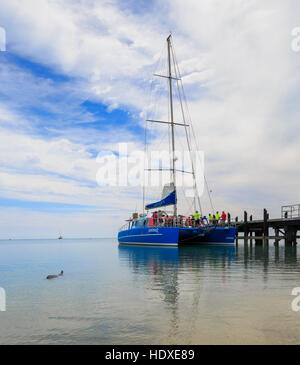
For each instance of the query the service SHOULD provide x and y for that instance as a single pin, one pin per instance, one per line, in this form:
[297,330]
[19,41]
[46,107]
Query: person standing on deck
[218,216]
[155,218]
[223,218]
[197,218]
[210,218]
[160,217]
[192,221]
[214,220]
[165,219]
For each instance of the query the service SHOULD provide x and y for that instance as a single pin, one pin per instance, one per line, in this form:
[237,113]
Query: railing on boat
[175,222]
[125,227]
[183,222]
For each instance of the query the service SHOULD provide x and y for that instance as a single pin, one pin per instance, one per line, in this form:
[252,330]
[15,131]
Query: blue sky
[75,82]
[53,102]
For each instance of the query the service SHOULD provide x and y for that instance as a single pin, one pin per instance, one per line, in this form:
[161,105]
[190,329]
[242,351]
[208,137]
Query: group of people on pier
[161,218]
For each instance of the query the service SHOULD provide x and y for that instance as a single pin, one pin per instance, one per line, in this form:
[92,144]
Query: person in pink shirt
[155,216]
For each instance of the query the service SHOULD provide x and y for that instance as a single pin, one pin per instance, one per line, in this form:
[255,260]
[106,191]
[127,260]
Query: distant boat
[174,229]
[60,237]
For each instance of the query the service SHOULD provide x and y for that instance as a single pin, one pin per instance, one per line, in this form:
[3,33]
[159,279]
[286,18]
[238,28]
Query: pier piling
[259,230]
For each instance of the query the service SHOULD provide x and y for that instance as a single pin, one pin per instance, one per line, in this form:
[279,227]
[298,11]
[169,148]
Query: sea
[111,294]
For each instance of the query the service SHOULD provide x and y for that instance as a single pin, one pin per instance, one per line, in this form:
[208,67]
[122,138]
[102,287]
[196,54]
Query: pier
[284,228]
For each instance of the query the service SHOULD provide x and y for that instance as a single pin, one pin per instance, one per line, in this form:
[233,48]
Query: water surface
[147,295]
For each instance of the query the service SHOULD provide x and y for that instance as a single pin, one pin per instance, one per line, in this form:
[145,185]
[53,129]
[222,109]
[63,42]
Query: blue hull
[156,236]
[174,236]
[218,235]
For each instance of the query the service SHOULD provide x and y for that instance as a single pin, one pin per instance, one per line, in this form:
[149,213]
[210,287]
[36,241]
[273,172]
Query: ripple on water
[147,295]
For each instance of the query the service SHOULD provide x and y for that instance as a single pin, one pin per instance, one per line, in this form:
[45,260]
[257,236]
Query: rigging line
[157,93]
[152,86]
[205,180]
[161,140]
[157,144]
[162,65]
[188,204]
[176,68]
[169,136]
[156,96]
[192,129]
[189,208]
[144,182]
[145,133]
[184,120]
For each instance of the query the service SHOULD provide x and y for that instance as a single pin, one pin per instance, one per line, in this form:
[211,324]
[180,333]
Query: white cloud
[93,40]
[236,61]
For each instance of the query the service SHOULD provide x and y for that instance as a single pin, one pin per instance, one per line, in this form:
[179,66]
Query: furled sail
[168,197]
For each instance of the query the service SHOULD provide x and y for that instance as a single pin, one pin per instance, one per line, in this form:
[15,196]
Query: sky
[74,83]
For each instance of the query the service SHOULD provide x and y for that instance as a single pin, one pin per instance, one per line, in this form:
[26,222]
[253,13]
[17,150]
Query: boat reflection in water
[176,275]
[151,259]
[176,282]
[145,259]
[215,294]
[168,263]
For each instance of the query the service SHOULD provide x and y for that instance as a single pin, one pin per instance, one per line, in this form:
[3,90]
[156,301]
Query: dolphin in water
[55,276]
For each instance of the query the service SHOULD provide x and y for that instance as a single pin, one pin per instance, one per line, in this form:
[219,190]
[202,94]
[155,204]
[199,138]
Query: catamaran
[169,228]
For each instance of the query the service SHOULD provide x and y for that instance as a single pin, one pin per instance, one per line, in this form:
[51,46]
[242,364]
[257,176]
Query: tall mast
[172,120]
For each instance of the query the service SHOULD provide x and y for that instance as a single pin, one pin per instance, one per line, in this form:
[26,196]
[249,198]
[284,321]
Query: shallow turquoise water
[136,295]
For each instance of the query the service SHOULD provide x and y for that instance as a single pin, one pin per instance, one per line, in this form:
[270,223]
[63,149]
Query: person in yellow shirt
[218,216]
[197,217]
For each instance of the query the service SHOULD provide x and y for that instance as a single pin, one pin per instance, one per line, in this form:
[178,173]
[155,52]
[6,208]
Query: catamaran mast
[172,120]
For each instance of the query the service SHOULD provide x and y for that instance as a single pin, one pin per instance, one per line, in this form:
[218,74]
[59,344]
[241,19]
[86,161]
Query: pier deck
[285,228]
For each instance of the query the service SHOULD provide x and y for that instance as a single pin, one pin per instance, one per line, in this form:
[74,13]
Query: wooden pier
[285,228]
